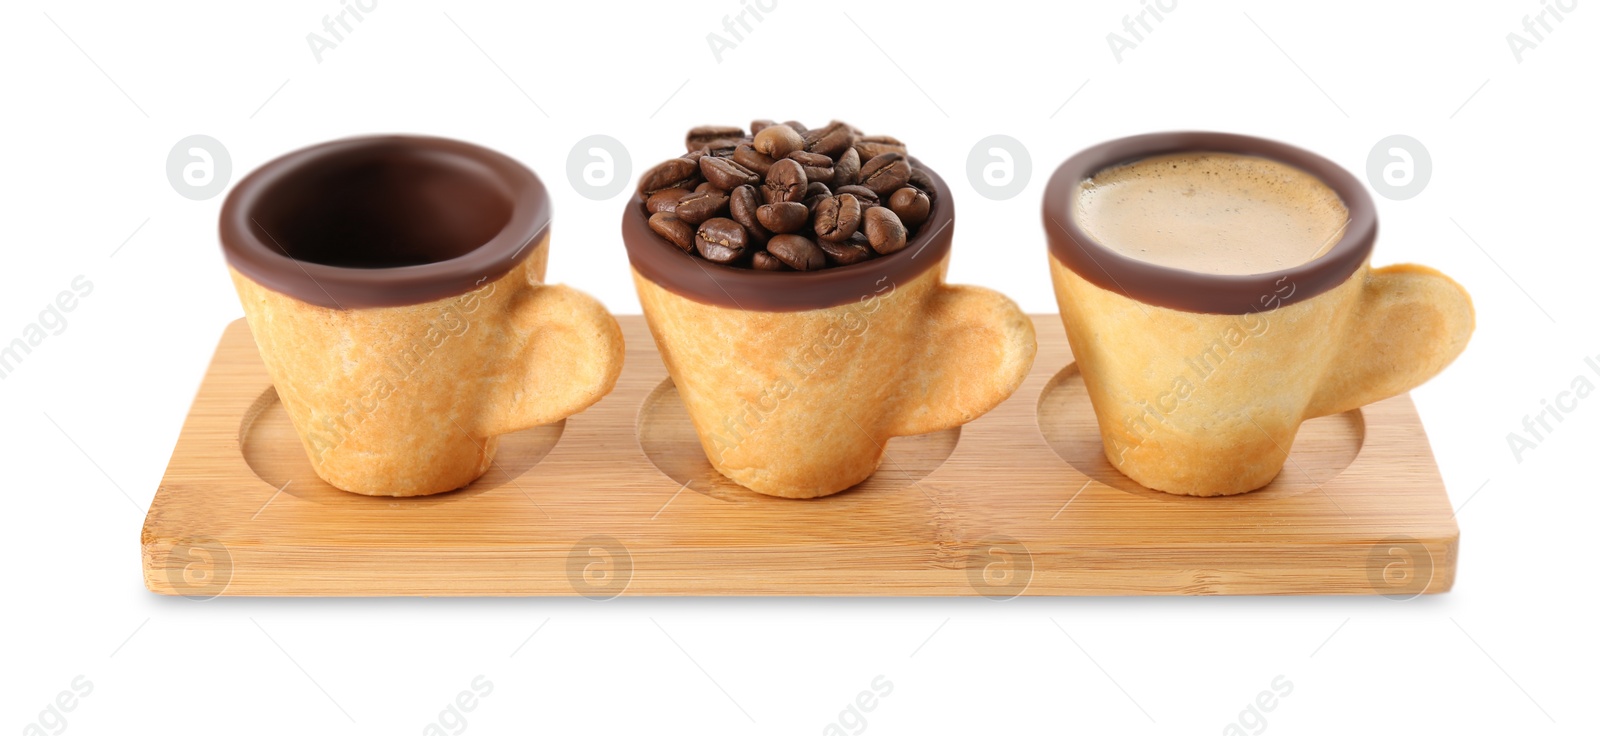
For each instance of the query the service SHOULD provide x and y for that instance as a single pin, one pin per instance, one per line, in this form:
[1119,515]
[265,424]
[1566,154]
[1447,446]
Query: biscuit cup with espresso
[795,380]
[1217,292]
[394,286]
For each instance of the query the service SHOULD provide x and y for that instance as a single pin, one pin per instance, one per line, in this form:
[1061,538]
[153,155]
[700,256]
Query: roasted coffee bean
[838,217]
[868,197]
[699,136]
[719,254]
[742,205]
[701,206]
[911,205]
[816,192]
[828,140]
[722,148]
[757,125]
[797,252]
[786,182]
[782,217]
[795,126]
[778,141]
[920,180]
[876,145]
[884,230]
[676,231]
[674,173]
[747,156]
[818,167]
[725,173]
[721,240]
[807,158]
[846,253]
[846,168]
[885,173]
[764,261]
[665,200]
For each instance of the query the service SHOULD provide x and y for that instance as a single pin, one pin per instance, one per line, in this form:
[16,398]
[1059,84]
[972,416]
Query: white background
[96,94]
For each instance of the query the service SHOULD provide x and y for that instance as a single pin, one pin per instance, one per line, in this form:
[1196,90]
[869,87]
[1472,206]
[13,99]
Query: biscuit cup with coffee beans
[793,279]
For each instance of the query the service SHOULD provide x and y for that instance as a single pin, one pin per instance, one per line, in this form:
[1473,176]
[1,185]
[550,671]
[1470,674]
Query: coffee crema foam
[1214,213]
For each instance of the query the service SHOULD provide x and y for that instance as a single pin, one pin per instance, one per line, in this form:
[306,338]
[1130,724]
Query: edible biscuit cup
[796,380]
[394,286]
[1275,349]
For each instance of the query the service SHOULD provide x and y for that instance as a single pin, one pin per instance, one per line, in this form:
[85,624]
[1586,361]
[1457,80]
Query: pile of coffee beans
[786,197]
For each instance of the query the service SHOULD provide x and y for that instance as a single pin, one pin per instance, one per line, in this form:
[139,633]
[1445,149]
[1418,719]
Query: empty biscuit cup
[796,380]
[394,286]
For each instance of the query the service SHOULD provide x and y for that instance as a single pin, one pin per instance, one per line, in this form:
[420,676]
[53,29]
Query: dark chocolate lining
[1199,292]
[786,291]
[383,221]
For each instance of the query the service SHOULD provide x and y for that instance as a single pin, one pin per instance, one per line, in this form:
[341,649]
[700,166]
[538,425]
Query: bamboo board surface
[620,500]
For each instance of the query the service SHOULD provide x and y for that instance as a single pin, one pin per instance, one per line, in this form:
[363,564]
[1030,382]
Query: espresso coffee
[1214,213]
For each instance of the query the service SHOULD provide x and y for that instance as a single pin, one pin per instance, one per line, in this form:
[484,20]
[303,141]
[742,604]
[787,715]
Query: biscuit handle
[977,349]
[1411,321]
[570,354]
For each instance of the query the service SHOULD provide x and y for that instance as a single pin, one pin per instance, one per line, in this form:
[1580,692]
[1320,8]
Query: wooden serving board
[620,500]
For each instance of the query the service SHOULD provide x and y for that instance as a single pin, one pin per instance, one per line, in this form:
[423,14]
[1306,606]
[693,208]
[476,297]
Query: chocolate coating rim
[339,287]
[1191,291]
[785,291]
